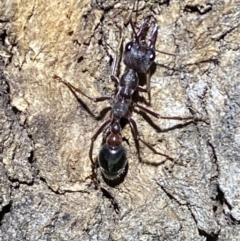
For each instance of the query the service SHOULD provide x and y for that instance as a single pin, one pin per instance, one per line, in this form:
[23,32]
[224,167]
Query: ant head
[138,56]
[139,53]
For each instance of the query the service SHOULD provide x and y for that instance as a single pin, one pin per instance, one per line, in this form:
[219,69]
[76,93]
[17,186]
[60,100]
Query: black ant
[112,156]
[138,57]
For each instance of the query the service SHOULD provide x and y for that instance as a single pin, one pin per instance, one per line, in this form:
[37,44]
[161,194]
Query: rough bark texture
[46,192]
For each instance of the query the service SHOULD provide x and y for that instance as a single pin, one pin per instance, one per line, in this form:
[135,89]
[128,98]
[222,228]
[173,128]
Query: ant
[138,57]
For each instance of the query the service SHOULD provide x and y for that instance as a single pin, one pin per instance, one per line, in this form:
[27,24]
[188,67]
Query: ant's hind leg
[94,137]
[137,138]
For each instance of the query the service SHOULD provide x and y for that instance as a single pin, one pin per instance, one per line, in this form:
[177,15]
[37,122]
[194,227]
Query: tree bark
[46,189]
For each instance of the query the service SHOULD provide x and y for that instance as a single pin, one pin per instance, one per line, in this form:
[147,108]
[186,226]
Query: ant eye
[151,55]
[128,46]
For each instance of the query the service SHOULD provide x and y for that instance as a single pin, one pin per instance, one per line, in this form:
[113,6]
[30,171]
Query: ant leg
[116,59]
[137,138]
[116,63]
[147,88]
[115,79]
[145,109]
[94,137]
[71,87]
[134,129]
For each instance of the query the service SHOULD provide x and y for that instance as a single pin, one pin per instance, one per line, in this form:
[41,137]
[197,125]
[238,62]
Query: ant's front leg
[116,62]
[94,137]
[147,87]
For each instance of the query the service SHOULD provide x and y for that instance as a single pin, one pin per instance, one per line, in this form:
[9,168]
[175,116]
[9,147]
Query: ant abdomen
[112,161]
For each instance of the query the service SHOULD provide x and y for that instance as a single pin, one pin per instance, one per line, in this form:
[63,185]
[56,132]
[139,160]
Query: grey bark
[46,192]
